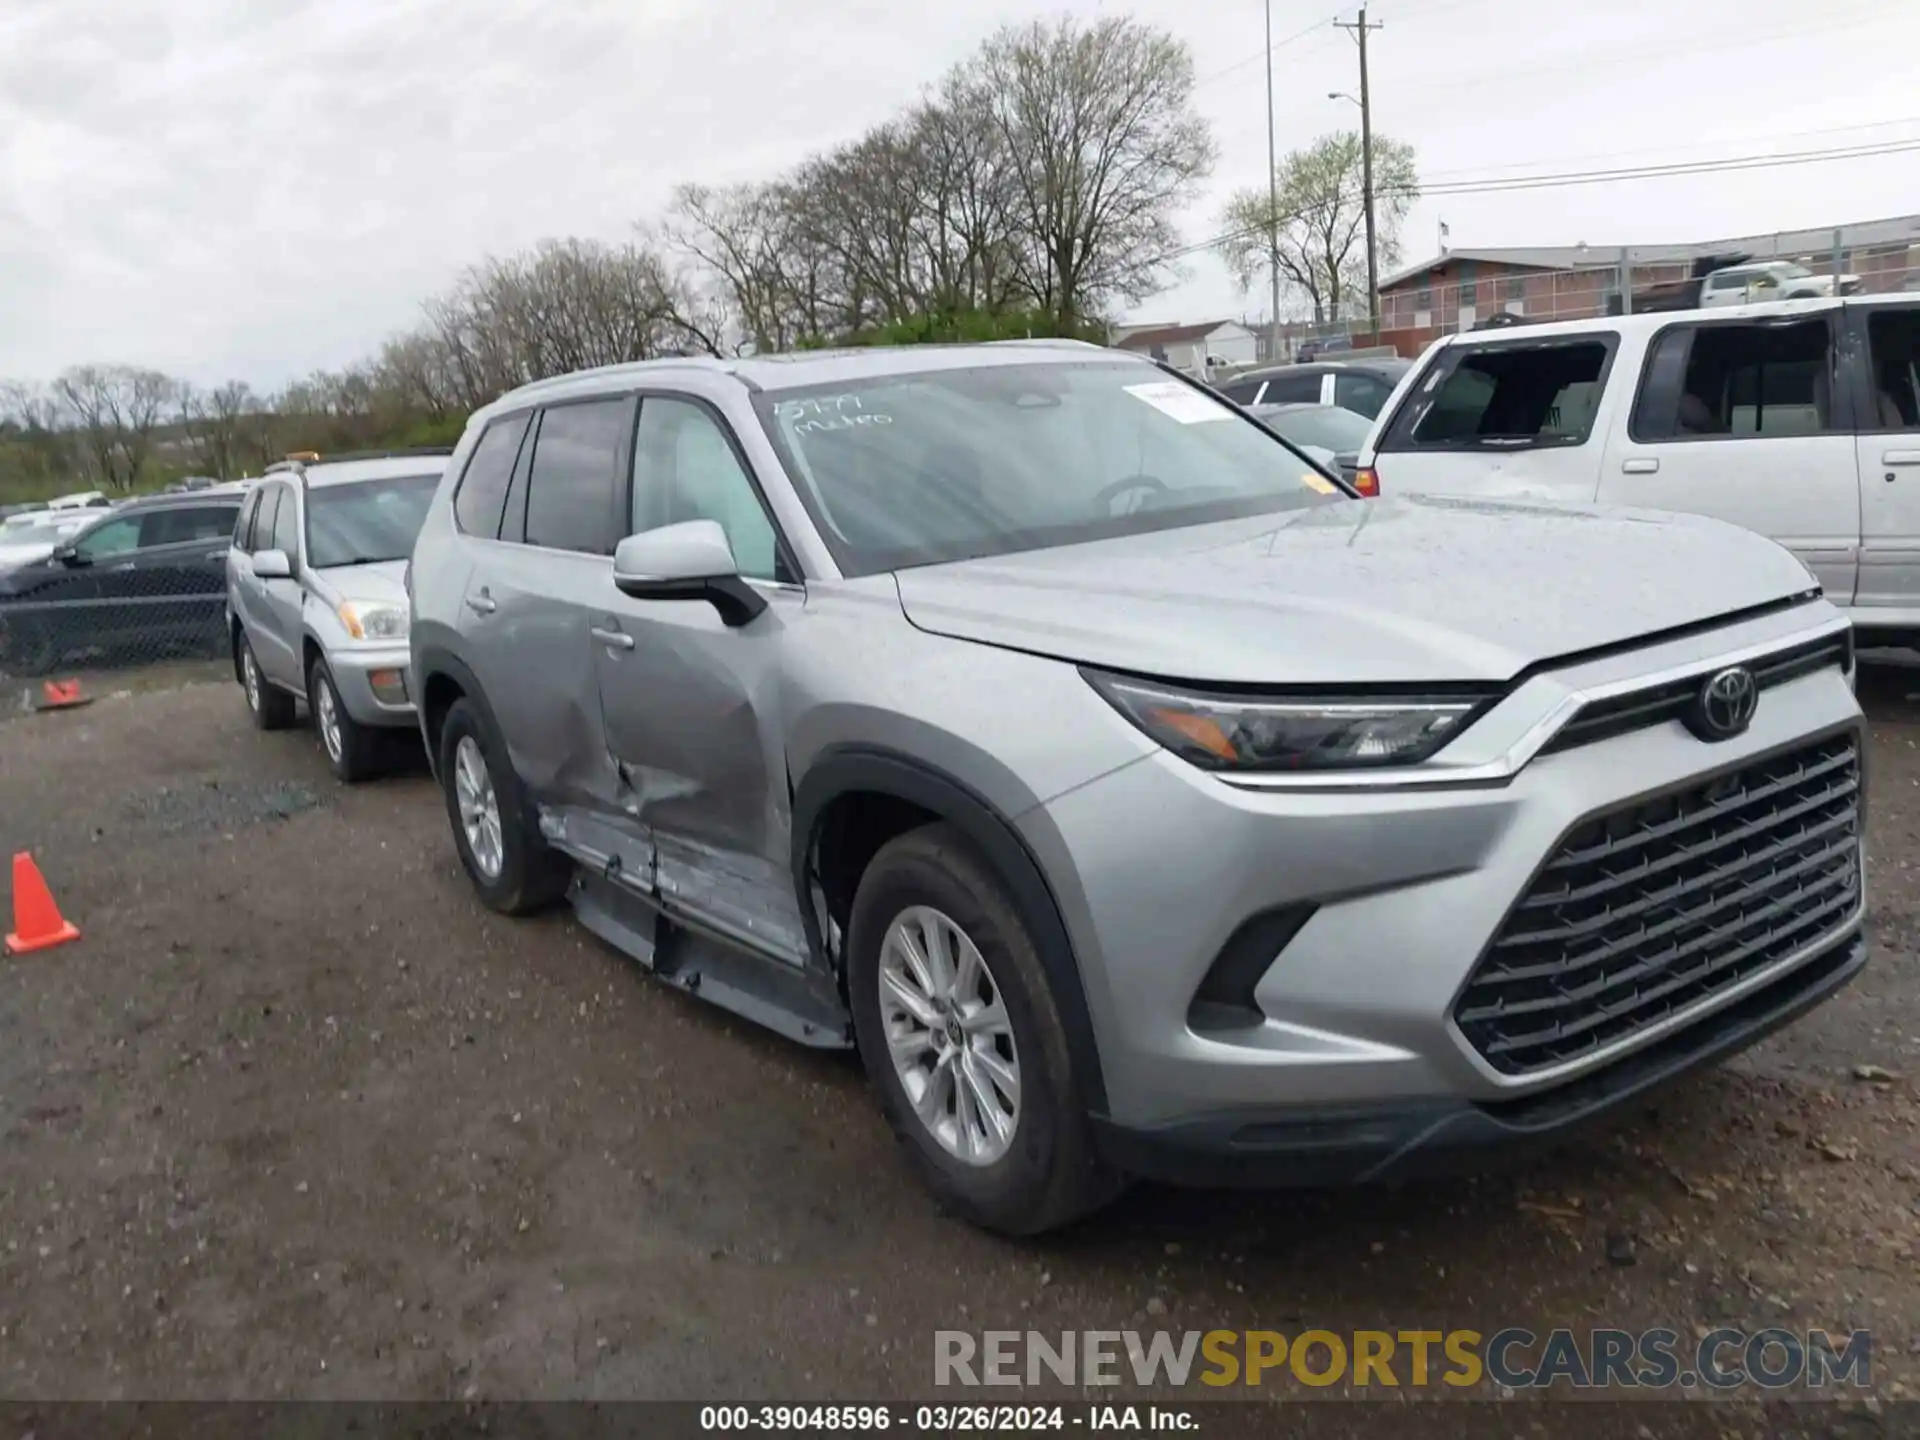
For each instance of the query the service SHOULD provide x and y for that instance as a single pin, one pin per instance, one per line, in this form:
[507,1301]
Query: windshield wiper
[361,560]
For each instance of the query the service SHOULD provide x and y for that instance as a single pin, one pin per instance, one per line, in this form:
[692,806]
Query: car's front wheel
[350,747]
[957,1026]
[270,706]
[494,826]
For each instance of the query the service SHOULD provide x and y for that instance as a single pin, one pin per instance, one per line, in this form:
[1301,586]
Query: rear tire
[506,858]
[350,747]
[1047,1172]
[270,706]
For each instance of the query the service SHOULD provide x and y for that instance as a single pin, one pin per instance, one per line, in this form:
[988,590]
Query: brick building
[1459,288]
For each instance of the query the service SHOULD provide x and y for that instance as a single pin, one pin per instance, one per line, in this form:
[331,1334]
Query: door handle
[1646,465]
[482,604]
[1901,457]
[618,639]
[122,569]
[216,555]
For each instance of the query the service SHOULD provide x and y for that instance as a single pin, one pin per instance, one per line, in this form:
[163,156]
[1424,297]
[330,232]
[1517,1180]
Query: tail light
[1367,481]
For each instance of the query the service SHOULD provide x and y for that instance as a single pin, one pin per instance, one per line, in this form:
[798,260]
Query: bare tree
[116,408]
[1104,147]
[215,423]
[1316,228]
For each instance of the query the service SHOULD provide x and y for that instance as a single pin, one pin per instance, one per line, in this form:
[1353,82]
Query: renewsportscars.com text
[1517,1358]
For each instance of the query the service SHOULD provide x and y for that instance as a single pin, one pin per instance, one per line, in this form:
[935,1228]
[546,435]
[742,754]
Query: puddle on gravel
[219,805]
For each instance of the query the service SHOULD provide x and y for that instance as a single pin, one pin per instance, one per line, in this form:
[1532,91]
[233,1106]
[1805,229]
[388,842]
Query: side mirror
[272,565]
[688,561]
[70,557]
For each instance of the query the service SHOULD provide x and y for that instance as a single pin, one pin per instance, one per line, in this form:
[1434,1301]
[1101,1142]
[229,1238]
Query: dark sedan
[145,580]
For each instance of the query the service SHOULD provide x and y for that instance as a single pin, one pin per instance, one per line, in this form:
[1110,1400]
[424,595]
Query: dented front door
[691,716]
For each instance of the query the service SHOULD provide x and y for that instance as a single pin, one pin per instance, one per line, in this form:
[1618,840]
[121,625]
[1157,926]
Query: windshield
[943,465]
[366,521]
[1330,427]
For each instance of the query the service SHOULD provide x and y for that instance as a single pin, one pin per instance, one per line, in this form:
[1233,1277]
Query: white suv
[1797,419]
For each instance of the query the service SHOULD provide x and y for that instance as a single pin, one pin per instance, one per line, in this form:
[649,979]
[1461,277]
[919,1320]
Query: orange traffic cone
[37,922]
[62,695]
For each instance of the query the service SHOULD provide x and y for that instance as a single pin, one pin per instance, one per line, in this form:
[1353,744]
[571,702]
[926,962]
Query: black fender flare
[435,660]
[841,770]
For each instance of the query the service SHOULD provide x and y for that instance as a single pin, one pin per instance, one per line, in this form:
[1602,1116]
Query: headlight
[373,622]
[1233,732]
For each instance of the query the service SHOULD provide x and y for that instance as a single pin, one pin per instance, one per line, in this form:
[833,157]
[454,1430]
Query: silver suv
[1135,800]
[315,606]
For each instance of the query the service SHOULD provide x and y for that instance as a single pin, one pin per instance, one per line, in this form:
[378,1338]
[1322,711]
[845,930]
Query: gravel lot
[299,1118]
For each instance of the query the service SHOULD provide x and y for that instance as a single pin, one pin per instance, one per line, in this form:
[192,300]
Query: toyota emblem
[1725,705]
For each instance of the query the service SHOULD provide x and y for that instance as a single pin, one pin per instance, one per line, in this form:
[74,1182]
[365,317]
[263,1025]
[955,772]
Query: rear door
[1740,418]
[692,705]
[1521,417]
[178,576]
[1884,351]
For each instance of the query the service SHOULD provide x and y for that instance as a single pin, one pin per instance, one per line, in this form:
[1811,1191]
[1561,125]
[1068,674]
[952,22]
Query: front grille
[1648,909]
[1643,709]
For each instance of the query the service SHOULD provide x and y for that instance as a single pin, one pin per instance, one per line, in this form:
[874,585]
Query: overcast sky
[255,188]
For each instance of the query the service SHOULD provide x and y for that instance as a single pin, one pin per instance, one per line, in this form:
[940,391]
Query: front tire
[956,1024]
[349,746]
[494,827]
[270,706]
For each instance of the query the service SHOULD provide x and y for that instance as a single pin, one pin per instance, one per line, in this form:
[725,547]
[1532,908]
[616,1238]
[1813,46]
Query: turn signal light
[1367,481]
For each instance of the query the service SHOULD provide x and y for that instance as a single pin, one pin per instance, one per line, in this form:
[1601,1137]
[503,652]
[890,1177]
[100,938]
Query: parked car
[1800,420]
[139,581]
[1361,386]
[315,607]
[1331,434]
[1134,798]
[38,533]
[80,500]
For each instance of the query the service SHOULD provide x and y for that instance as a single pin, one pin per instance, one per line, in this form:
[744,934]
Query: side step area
[761,990]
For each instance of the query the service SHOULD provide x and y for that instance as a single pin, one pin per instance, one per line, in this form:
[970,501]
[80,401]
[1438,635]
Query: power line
[1667,149]
[1498,184]
[1316,27]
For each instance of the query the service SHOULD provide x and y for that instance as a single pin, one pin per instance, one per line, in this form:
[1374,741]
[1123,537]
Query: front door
[691,705]
[546,524]
[1887,339]
[1741,419]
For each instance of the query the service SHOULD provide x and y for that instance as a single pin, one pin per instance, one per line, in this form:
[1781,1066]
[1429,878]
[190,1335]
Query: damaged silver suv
[1133,797]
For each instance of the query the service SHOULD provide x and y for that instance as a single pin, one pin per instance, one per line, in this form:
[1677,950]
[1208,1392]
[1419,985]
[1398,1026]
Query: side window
[684,469]
[483,488]
[1361,394]
[1292,390]
[186,525]
[263,522]
[286,525]
[243,532]
[1893,343]
[1241,392]
[116,537]
[1507,397]
[1738,381]
[573,488]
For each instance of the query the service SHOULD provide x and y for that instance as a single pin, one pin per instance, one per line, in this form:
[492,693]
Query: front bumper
[1414,1139]
[375,683]
[1156,866]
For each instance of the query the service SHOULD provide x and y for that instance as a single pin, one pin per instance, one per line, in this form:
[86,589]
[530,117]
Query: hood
[1414,589]
[381,583]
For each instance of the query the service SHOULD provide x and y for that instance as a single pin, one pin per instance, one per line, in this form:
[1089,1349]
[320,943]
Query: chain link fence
[95,606]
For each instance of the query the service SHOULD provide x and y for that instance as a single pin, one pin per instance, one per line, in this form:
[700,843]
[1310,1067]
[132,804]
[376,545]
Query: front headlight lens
[1232,732]
[373,622]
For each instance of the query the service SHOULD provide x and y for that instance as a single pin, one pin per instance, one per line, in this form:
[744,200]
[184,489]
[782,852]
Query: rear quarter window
[1511,396]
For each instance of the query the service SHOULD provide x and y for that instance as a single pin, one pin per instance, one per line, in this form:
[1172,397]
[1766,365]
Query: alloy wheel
[949,1035]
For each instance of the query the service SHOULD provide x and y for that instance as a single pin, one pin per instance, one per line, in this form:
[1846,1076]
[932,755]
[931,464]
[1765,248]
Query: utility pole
[1273,208]
[1360,28]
